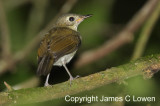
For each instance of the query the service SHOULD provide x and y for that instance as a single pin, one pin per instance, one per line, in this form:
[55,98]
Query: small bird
[60,44]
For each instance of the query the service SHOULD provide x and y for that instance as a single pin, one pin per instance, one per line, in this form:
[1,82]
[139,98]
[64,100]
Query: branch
[146,66]
[5,36]
[122,38]
[145,33]
[34,24]
[11,4]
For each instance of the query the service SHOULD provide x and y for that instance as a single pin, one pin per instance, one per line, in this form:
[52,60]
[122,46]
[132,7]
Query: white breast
[66,59]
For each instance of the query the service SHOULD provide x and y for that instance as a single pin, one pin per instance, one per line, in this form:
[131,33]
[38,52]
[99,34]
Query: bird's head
[71,20]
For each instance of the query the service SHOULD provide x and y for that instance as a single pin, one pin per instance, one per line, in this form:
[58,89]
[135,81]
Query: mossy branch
[146,66]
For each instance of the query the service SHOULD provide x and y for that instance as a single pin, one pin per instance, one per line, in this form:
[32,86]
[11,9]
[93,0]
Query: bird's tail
[45,65]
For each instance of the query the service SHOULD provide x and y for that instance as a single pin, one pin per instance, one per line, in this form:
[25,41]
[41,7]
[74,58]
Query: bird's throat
[73,27]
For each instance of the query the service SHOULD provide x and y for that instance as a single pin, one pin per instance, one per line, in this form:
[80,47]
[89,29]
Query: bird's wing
[59,42]
[45,60]
[43,47]
[64,42]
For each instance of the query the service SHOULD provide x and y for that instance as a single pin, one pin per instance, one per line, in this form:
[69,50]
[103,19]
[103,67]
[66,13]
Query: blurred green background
[28,17]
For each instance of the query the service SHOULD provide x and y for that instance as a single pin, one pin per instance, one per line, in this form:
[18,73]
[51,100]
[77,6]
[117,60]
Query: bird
[59,45]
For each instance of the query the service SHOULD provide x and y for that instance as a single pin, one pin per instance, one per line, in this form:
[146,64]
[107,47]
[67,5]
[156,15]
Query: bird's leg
[46,82]
[71,77]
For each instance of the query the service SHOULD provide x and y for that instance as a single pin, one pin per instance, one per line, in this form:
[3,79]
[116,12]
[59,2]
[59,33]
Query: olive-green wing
[62,45]
[42,50]
[45,59]
[60,42]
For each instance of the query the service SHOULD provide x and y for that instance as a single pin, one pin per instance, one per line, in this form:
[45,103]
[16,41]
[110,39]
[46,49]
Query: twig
[36,18]
[11,4]
[124,37]
[5,37]
[146,66]
[145,33]
[8,86]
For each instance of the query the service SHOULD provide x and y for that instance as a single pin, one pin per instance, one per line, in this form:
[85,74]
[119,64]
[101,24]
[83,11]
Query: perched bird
[60,44]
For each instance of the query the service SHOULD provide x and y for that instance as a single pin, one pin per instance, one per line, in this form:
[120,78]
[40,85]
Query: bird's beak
[81,18]
[87,16]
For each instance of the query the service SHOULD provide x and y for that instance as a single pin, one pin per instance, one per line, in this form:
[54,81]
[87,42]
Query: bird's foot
[76,77]
[72,78]
[47,84]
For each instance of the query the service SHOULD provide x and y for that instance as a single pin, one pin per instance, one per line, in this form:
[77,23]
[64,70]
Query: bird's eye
[71,18]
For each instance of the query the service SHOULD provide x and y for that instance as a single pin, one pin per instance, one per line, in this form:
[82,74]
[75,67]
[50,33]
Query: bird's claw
[72,78]
[47,84]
